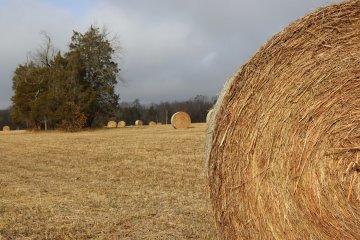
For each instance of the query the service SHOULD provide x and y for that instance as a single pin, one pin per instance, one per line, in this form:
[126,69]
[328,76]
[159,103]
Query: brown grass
[84,186]
[284,152]
[180,120]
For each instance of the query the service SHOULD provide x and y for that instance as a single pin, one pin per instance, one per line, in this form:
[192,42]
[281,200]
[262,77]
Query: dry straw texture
[111,124]
[139,123]
[6,129]
[98,190]
[121,124]
[284,143]
[152,123]
[208,115]
[180,120]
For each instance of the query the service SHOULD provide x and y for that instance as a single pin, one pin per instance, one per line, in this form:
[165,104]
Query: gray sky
[171,49]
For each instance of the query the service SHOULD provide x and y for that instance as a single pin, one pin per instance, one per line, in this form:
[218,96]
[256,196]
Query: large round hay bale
[111,124]
[152,123]
[209,115]
[6,129]
[283,147]
[180,120]
[121,124]
[139,123]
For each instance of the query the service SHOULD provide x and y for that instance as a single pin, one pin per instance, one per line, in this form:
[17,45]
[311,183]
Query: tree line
[76,89]
[68,90]
[129,112]
[196,107]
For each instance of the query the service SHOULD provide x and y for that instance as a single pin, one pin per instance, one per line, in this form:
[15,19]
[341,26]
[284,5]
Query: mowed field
[132,183]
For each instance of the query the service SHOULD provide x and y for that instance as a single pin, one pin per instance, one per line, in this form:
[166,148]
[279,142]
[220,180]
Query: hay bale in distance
[121,124]
[6,129]
[283,150]
[180,120]
[152,123]
[139,123]
[111,124]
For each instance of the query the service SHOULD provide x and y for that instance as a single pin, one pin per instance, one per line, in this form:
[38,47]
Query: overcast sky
[171,49]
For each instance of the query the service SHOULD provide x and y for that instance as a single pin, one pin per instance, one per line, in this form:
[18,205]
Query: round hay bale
[111,124]
[152,123]
[208,115]
[283,147]
[180,120]
[139,123]
[6,129]
[121,124]
[159,123]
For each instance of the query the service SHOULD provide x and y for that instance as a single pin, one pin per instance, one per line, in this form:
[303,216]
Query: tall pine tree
[95,72]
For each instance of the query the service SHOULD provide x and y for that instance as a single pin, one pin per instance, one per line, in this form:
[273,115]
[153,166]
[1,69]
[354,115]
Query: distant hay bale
[159,123]
[208,115]
[111,124]
[283,147]
[152,123]
[121,124]
[138,123]
[6,129]
[180,120]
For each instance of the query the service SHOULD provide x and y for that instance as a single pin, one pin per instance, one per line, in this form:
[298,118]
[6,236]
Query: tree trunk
[45,123]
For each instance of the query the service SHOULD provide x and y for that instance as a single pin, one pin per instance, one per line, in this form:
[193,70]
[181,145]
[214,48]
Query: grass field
[132,183]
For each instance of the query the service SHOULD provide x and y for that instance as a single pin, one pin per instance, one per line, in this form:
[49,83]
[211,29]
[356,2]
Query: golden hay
[6,129]
[138,123]
[111,124]
[121,124]
[180,120]
[152,123]
[283,147]
[208,115]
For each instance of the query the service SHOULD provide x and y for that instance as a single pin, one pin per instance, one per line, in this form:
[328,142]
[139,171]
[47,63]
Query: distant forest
[76,89]
[196,107]
[129,112]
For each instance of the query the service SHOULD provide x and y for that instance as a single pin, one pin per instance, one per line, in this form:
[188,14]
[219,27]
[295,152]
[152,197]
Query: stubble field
[132,183]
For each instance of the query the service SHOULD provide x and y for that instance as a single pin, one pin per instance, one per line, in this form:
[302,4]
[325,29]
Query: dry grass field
[130,183]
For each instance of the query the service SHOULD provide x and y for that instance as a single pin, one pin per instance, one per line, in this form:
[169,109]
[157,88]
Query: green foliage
[48,88]
[30,85]
[91,54]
